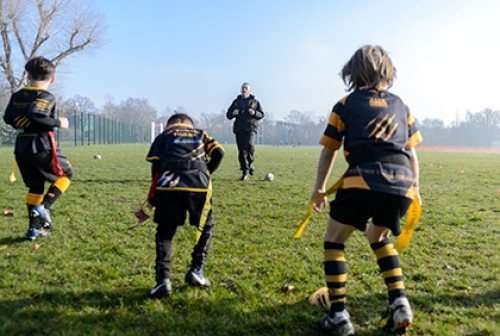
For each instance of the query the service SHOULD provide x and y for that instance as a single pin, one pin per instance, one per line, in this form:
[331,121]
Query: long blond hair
[370,66]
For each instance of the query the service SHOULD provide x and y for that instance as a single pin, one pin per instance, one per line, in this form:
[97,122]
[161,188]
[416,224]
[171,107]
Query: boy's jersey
[32,112]
[180,153]
[377,132]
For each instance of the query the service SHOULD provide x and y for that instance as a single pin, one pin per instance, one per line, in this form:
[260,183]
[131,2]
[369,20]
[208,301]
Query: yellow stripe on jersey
[414,140]
[355,182]
[330,143]
[391,132]
[336,122]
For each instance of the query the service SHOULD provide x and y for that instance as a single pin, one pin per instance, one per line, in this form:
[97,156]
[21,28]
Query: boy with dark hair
[182,176]
[32,111]
[379,135]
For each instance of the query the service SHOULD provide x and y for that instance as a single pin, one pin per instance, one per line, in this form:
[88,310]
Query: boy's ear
[53,79]
[29,76]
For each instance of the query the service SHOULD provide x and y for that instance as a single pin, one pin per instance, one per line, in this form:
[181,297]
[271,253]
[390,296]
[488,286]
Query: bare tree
[55,29]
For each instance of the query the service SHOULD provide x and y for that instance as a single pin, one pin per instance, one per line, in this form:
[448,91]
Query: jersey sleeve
[213,150]
[414,135]
[335,130]
[42,110]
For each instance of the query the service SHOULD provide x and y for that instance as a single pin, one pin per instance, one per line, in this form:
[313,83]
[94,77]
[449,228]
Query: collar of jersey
[34,88]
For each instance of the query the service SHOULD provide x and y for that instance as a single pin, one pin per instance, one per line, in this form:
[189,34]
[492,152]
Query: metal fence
[87,129]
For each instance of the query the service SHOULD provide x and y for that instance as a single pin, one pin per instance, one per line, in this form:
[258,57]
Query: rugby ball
[97,157]
[269,177]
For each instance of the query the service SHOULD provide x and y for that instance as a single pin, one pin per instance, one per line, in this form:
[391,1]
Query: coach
[247,112]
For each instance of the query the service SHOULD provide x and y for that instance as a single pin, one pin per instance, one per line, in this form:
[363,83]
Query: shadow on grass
[192,311]
[12,240]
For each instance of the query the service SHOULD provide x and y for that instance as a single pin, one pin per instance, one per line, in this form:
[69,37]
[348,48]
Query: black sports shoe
[195,277]
[252,169]
[162,289]
[244,177]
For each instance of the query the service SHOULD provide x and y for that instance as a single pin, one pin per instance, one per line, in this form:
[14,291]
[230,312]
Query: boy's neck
[40,84]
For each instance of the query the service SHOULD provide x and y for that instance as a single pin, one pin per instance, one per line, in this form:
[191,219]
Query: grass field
[91,276]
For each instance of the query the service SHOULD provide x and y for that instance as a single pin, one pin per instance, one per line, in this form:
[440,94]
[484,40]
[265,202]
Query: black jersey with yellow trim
[371,126]
[181,154]
[32,111]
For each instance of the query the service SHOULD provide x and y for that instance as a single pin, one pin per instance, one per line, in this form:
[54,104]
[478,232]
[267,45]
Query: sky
[196,54]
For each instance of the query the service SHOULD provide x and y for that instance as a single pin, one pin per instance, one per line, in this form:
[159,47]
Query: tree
[137,111]
[53,28]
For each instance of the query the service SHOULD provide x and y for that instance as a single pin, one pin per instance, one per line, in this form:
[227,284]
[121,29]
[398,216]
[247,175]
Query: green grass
[91,276]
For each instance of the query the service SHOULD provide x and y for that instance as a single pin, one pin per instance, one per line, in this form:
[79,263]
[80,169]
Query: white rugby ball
[97,157]
[269,177]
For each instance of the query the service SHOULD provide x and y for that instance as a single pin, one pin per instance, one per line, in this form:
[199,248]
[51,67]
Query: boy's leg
[198,205]
[61,184]
[338,319]
[400,315]
[200,251]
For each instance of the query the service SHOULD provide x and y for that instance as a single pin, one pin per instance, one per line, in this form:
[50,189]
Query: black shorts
[356,206]
[172,207]
[38,168]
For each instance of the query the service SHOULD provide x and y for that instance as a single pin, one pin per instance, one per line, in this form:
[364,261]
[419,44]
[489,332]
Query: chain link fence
[87,129]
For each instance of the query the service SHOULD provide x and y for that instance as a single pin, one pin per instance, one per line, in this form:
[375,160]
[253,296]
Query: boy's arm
[415,168]
[215,159]
[39,112]
[325,164]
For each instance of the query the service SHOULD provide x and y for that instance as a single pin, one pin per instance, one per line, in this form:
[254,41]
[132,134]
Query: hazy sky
[196,54]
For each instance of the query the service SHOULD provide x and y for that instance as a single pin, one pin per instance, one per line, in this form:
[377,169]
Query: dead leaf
[37,246]
[286,288]
[3,247]
[227,283]
[8,213]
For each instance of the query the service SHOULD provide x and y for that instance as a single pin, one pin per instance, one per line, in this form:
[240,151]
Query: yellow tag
[12,176]
[414,212]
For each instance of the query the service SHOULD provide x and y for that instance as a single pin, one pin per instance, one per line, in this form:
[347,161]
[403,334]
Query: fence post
[76,144]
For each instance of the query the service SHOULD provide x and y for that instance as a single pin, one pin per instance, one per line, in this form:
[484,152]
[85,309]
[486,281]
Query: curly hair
[370,66]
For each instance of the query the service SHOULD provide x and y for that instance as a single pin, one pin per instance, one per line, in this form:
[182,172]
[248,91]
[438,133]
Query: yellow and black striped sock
[56,189]
[388,261]
[335,274]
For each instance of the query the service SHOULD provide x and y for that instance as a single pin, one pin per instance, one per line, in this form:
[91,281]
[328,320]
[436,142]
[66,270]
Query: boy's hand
[64,122]
[320,204]
[236,112]
[251,112]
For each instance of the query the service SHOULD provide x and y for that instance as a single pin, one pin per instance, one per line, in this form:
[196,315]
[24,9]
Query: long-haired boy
[378,135]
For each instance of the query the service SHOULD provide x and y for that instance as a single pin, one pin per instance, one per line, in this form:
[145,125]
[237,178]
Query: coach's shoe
[162,289]
[33,234]
[44,214]
[251,171]
[399,316]
[339,325]
[244,177]
[195,277]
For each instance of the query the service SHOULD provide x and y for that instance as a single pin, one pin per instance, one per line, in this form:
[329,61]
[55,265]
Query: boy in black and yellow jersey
[379,135]
[182,175]
[32,111]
